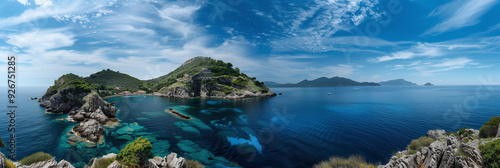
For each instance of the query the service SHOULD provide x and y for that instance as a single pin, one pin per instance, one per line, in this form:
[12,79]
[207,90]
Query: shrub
[462,130]
[193,164]
[454,133]
[2,145]
[491,154]
[419,143]
[37,157]
[240,82]
[9,164]
[490,128]
[135,153]
[351,162]
[103,162]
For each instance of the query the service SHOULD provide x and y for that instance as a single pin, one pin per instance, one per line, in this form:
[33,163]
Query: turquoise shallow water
[297,129]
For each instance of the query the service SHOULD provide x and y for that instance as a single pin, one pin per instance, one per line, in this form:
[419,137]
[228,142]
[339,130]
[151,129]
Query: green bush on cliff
[37,157]
[240,82]
[491,154]
[135,153]
[419,143]
[2,145]
[490,128]
[351,162]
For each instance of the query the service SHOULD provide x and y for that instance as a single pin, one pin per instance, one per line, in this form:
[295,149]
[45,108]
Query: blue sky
[443,42]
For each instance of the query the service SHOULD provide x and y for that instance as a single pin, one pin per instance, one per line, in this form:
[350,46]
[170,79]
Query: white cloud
[306,27]
[77,8]
[419,50]
[24,2]
[457,62]
[458,14]
[43,3]
[41,40]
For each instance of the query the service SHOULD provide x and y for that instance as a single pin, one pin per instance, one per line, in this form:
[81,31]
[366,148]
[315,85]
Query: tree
[136,154]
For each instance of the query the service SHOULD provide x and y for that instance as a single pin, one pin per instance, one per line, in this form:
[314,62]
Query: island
[428,84]
[326,82]
[397,82]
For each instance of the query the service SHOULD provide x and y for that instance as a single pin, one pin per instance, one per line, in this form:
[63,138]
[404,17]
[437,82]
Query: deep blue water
[297,129]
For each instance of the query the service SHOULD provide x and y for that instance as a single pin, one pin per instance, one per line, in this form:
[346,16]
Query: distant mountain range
[397,82]
[340,81]
[323,82]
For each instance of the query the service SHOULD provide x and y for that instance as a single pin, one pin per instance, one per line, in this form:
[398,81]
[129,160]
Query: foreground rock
[447,151]
[51,163]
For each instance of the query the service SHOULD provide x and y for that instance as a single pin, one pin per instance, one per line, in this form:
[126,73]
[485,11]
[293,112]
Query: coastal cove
[307,121]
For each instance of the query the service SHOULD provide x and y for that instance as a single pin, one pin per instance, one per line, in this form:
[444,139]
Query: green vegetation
[491,154]
[103,162]
[490,128]
[63,82]
[2,145]
[240,82]
[462,130]
[193,164]
[419,143]
[135,153]
[351,162]
[37,157]
[107,79]
[449,133]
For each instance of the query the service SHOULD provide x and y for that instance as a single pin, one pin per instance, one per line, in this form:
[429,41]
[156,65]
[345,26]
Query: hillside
[208,78]
[397,82]
[329,82]
[111,79]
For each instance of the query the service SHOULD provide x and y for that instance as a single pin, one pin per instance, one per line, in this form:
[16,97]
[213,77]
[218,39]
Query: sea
[298,128]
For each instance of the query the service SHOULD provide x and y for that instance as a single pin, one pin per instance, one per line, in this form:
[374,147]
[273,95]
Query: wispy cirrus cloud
[458,14]
[419,50]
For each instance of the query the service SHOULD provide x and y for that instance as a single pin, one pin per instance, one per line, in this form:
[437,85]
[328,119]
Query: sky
[443,42]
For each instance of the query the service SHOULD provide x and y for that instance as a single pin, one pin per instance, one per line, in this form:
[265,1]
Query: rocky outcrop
[448,151]
[170,161]
[90,130]
[436,134]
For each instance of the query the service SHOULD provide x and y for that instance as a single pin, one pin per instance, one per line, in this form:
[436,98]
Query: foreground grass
[339,162]
[37,157]
[104,162]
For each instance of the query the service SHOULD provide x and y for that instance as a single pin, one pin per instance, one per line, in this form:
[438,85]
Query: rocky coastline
[169,161]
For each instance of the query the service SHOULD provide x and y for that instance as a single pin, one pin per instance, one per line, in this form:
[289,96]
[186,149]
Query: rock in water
[90,129]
